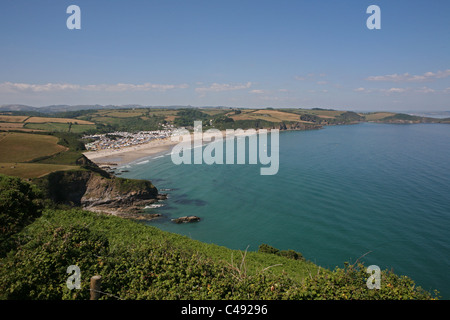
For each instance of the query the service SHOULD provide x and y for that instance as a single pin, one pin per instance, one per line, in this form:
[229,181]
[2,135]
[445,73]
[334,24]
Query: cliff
[99,191]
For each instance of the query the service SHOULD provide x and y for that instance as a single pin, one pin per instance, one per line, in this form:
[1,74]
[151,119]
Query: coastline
[123,156]
[114,158]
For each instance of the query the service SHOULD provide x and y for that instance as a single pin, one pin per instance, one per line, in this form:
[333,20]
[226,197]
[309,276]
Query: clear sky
[236,53]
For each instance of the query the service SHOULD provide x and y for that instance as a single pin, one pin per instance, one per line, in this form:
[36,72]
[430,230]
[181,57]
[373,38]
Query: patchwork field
[265,114]
[59,127]
[31,170]
[317,112]
[36,124]
[22,147]
[377,115]
[56,120]
[6,118]
[18,149]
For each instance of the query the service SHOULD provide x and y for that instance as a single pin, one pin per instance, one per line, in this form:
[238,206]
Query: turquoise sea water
[340,193]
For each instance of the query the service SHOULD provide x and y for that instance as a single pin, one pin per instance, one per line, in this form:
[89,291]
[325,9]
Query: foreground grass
[143,262]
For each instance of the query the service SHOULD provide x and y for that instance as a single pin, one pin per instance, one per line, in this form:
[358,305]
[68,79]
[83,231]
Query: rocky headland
[94,189]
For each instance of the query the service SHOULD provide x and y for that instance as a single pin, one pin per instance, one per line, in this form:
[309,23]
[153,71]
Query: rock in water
[186,219]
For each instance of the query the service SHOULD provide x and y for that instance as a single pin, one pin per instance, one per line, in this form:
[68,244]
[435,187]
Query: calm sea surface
[340,193]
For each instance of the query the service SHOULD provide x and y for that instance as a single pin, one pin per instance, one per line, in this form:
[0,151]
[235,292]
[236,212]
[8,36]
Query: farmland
[93,121]
[23,147]
[29,155]
[31,170]
[39,124]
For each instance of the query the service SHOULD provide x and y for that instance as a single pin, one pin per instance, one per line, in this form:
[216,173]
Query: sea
[375,192]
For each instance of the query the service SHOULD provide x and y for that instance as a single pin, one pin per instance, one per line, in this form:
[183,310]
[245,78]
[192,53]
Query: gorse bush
[140,262]
[290,254]
[20,204]
[350,282]
[37,270]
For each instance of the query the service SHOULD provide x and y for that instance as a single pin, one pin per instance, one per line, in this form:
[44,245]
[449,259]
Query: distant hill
[17,107]
[62,108]
[66,108]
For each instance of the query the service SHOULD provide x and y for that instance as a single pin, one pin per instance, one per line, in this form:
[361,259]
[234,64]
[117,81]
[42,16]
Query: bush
[141,262]
[265,248]
[349,283]
[38,269]
[20,204]
[290,254]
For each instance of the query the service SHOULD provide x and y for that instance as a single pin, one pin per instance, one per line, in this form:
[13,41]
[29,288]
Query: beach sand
[122,156]
[119,157]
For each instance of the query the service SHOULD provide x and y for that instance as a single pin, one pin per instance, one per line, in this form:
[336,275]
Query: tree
[20,204]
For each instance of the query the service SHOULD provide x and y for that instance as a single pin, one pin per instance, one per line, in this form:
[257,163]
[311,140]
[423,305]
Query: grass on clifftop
[142,262]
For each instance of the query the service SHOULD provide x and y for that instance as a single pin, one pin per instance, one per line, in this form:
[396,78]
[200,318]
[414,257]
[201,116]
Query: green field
[31,170]
[29,155]
[147,119]
[60,127]
[22,147]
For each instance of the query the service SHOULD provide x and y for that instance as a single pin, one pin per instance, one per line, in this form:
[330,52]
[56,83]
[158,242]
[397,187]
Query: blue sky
[246,53]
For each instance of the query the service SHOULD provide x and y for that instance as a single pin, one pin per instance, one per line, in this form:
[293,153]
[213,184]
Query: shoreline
[115,158]
[120,157]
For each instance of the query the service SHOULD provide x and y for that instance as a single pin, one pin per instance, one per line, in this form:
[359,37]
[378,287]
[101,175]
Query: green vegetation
[142,262]
[402,116]
[23,147]
[20,204]
[127,185]
[39,239]
[129,124]
[28,155]
[60,127]
[186,117]
[290,254]
[149,119]
[32,170]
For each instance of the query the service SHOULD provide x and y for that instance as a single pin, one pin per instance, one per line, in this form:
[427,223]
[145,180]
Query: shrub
[38,269]
[349,283]
[20,204]
[265,248]
[290,254]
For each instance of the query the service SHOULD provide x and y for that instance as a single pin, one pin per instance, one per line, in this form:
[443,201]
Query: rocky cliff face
[99,191]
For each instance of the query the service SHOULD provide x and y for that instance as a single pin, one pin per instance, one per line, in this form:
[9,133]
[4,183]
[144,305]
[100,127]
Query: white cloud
[119,87]
[257,91]
[395,90]
[406,77]
[14,87]
[310,76]
[401,90]
[425,90]
[220,87]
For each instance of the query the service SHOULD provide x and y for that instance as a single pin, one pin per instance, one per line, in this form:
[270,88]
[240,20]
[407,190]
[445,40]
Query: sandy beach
[122,156]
